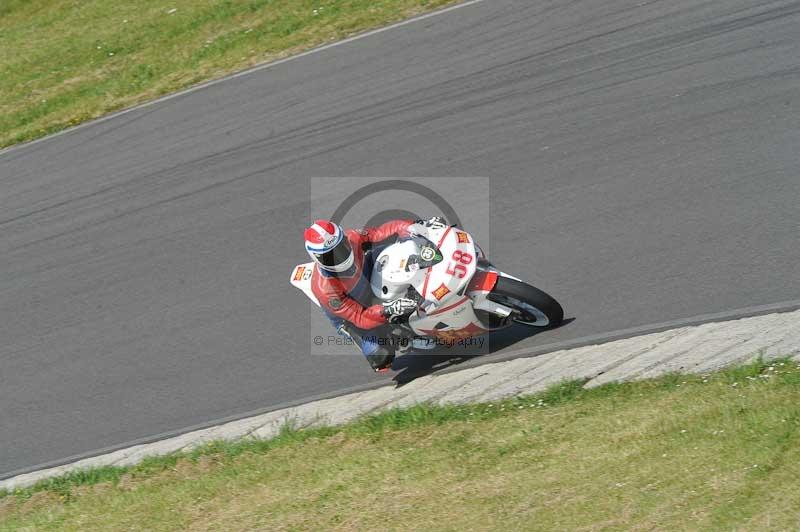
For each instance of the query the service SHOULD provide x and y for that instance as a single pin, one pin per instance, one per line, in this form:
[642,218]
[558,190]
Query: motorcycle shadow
[417,364]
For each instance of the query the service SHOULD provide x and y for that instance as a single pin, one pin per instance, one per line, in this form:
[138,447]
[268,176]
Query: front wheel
[531,306]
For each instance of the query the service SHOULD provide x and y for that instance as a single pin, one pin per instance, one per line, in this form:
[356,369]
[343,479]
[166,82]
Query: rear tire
[532,306]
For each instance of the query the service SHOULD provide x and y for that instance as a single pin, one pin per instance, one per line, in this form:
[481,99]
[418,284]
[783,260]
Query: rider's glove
[437,222]
[399,308]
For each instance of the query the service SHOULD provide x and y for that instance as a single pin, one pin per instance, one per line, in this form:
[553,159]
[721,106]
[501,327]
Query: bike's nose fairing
[391,274]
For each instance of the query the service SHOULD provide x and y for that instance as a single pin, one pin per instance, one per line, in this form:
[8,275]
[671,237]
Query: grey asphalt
[644,160]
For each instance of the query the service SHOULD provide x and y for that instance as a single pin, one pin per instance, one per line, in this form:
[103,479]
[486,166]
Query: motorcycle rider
[344,259]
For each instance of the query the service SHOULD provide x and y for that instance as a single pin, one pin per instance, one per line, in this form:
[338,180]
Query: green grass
[719,452]
[67,61]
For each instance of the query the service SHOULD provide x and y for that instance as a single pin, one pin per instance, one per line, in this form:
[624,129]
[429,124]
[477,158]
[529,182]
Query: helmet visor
[336,256]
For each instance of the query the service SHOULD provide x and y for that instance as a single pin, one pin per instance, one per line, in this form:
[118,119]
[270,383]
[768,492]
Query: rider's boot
[381,360]
[380,357]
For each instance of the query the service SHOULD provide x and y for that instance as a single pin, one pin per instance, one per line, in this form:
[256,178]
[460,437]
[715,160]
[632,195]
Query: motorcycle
[459,292]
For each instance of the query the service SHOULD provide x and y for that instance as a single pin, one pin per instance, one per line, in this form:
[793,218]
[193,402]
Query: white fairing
[446,307]
[438,286]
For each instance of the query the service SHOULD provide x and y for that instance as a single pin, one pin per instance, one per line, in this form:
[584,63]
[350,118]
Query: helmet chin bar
[342,267]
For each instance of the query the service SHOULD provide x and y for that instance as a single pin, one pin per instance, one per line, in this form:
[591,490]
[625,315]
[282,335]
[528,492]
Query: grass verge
[680,452]
[65,62]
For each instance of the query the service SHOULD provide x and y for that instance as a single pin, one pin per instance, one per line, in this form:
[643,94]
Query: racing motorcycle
[459,293]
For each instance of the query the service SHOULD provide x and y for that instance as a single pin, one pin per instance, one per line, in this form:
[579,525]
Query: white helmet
[328,246]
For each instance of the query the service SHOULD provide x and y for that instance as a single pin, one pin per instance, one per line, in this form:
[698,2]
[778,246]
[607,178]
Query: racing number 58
[457,267]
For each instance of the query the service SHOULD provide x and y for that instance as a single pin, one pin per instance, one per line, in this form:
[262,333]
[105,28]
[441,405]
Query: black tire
[518,295]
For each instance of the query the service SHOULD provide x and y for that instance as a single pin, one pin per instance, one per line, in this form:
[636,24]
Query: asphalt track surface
[644,161]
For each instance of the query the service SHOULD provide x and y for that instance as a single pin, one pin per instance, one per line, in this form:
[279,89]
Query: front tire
[531,306]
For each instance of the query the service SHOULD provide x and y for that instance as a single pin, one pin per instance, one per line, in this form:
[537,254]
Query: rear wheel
[531,306]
